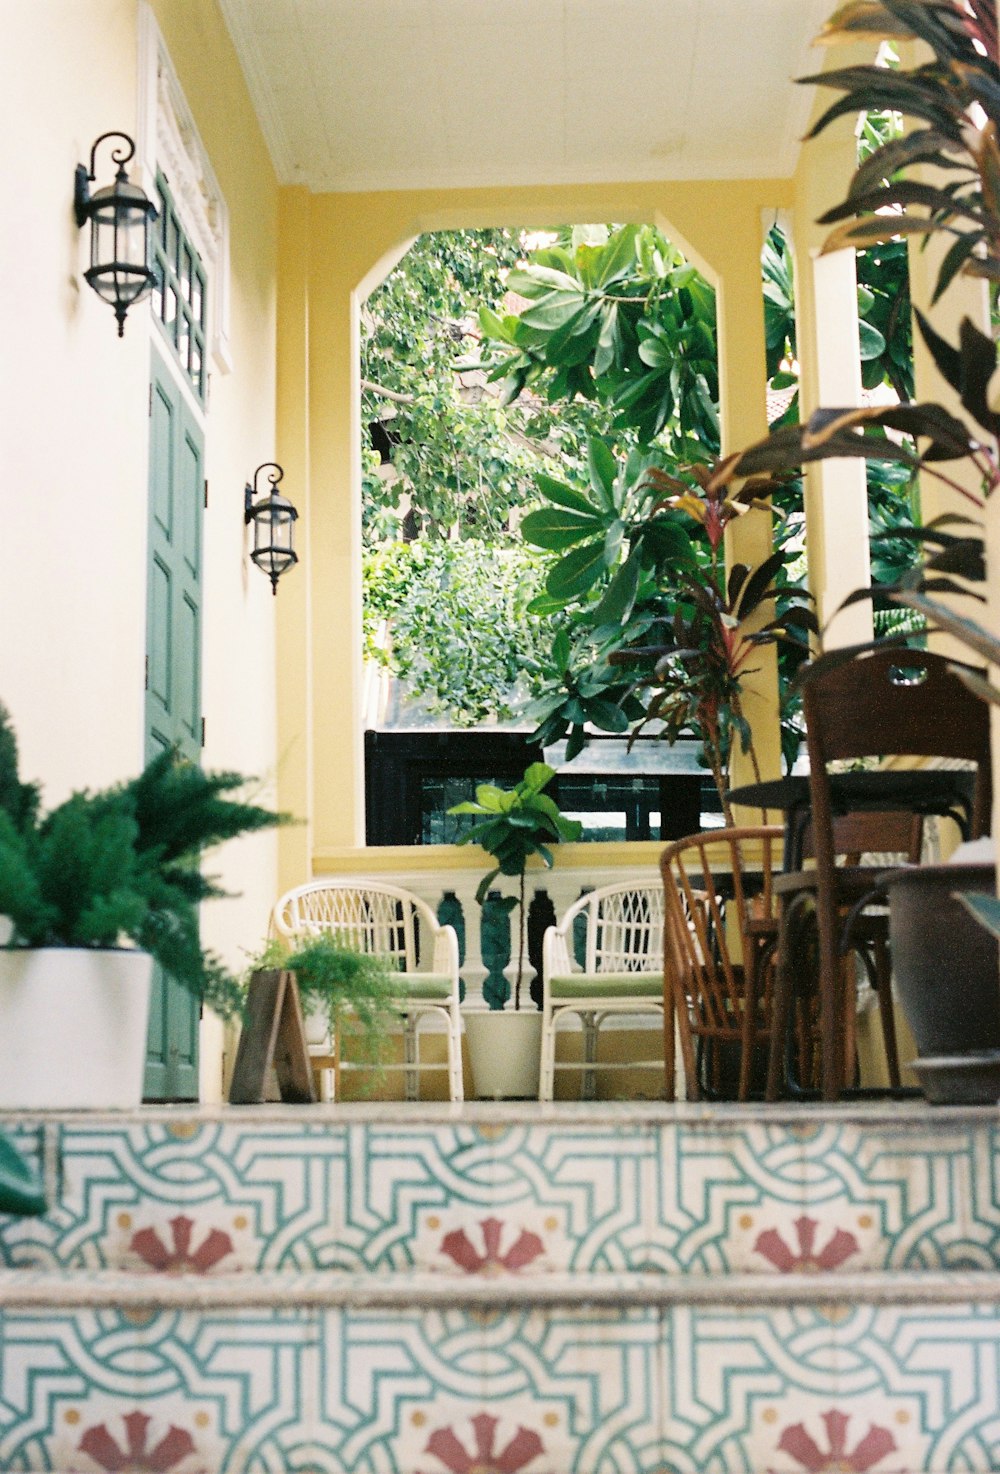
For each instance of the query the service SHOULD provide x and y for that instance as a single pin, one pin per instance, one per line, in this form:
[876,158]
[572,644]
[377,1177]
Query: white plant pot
[505,1051]
[73,1026]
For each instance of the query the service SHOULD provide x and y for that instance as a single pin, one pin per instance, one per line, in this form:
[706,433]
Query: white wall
[74,428]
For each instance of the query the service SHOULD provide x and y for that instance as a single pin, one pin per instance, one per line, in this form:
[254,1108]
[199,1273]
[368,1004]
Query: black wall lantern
[273,519]
[120,215]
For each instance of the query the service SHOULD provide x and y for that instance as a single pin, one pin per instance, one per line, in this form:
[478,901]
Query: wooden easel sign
[273,1034]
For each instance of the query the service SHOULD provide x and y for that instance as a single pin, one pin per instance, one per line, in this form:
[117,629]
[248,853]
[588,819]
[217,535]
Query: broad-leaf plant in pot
[93,892]
[513,826]
[938,178]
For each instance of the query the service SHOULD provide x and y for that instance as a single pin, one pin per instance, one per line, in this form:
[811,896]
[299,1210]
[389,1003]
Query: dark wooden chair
[886,703]
[720,938]
[864,933]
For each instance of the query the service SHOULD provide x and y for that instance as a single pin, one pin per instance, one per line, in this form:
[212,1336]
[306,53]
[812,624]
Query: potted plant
[514,824]
[94,891]
[338,983]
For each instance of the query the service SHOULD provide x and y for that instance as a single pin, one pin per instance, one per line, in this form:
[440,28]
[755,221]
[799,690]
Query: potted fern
[93,892]
[343,991]
[514,824]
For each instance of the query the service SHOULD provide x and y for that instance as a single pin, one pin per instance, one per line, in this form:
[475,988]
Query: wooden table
[945,792]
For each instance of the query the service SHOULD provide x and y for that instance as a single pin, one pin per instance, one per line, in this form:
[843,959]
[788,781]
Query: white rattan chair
[622,973]
[383,919]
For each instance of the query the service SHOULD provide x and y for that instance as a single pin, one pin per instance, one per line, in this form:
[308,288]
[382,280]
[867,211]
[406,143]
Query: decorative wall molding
[169,140]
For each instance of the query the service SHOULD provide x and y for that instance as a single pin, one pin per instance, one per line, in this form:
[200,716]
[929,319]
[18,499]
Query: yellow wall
[75,428]
[352,240]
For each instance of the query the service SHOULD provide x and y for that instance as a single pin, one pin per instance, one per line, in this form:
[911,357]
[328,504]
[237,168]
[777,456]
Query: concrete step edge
[494,1117]
[40,1290]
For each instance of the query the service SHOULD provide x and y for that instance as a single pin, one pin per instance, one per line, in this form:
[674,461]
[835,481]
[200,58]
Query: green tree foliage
[617,317]
[656,629]
[614,343]
[456,460]
[461,637]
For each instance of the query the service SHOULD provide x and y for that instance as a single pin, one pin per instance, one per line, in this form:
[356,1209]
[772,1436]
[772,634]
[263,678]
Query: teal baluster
[450,913]
[541,915]
[494,942]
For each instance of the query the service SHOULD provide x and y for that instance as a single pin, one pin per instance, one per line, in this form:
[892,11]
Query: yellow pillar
[826,318]
[743,412]
[293,608]
[335,574]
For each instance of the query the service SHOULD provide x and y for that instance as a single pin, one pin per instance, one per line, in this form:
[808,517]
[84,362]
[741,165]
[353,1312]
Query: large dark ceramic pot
[947,974]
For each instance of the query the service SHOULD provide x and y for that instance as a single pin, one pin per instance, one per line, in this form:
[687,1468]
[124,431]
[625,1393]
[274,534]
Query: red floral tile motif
[136,1457]
[773,1247]
[458,1246]
[872,1448]
[519,1452]
[179,1259]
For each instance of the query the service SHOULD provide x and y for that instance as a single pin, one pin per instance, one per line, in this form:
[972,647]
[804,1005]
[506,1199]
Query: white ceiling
[409,94]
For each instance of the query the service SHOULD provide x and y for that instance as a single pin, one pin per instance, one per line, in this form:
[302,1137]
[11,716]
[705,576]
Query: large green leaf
[557,528]
[618,257]
[608,341]
[872,341]
[552,311]
[603,470]
[563,495]
[529,280]
[606,715]
[619,597]
[577,572]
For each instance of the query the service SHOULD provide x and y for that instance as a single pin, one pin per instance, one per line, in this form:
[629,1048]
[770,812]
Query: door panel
[173,680]
[192,478]
[188,668]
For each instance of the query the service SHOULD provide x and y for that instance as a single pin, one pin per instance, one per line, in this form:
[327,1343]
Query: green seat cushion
[607,985]
[429,986]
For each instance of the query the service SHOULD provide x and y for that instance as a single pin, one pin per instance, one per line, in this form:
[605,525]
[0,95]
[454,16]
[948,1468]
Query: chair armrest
[445,958]
[556,961]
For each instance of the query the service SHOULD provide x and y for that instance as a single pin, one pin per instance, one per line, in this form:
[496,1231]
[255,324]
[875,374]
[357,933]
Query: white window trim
[168,139]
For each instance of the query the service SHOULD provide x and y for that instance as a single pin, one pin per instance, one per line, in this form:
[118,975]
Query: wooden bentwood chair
[881,704]
[719,946]
[864,934]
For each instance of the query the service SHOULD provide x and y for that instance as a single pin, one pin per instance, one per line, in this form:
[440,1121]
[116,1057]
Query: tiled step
[411,1389]
[676,1191]
[564,1290]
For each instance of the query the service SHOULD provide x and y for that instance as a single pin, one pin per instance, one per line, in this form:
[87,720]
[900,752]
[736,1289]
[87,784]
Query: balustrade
[447,877]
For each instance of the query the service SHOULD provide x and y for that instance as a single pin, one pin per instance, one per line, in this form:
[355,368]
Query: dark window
[413,778]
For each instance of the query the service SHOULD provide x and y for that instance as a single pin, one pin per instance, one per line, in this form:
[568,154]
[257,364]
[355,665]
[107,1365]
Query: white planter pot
[73,1026]
[505,1053]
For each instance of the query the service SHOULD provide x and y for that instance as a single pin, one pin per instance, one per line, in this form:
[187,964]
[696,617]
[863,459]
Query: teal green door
[173,676]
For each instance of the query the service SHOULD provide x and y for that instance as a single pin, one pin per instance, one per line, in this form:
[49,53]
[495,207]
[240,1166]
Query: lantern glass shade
[120,217]
[273,537]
